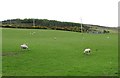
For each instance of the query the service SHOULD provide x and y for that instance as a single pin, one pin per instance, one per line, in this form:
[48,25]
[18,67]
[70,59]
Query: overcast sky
[98,12]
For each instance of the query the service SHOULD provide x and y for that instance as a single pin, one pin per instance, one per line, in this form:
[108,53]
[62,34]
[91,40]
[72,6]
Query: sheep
[108,37]
[87,51]
[32,33]
[24,46]
[55,38]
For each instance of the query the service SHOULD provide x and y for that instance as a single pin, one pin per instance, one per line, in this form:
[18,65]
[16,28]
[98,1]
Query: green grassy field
[62,56]
[0,52]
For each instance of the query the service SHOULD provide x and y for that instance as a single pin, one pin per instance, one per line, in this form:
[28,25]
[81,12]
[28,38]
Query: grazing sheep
[87,51]
[32,33]
[55,38]
[108,37]
[24,46]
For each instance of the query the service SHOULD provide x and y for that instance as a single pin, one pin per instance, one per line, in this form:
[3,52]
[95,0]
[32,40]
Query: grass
[62,56]
[0,52]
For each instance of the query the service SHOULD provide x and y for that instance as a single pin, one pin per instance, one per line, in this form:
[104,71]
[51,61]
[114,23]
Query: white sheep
[24,46]
[55,38]
[32,33]
[108,37]
[87,51]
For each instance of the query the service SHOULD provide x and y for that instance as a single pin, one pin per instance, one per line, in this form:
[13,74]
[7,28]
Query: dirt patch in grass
[13,53]
[9,53]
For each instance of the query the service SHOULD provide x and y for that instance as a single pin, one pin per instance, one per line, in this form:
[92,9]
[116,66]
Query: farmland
[58,53]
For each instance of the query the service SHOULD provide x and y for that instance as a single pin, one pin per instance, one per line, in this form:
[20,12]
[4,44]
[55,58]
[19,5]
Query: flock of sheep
[86,51]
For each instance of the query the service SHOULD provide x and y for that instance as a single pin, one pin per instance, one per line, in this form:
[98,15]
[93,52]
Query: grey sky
[99,12]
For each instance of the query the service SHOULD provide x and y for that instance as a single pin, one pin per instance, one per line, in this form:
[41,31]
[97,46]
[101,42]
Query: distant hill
[56,25]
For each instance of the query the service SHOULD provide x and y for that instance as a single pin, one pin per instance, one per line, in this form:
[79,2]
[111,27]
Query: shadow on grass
[14,53]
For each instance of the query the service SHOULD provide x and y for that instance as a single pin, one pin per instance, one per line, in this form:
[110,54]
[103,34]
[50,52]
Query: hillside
[56,25]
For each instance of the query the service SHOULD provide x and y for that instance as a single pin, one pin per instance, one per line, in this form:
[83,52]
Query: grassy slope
[0,52]
[60,57]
